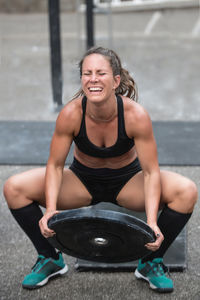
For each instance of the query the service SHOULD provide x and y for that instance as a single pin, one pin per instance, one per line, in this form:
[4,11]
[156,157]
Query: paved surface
[161,49]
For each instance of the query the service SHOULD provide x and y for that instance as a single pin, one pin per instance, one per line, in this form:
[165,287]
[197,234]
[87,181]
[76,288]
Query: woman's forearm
[152,190]
[53,181]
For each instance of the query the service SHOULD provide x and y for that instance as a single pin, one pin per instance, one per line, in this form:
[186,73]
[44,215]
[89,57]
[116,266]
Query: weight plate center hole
[100,241]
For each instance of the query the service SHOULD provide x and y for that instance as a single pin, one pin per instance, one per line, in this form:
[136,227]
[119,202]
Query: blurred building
[22,6]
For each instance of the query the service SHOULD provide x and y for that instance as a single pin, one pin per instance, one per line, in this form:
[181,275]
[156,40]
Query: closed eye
[90,73]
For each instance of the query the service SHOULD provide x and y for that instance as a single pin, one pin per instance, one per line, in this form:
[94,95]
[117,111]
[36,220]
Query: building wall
[24,6]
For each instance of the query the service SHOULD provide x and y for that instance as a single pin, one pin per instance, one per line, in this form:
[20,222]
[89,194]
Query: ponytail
[127,85]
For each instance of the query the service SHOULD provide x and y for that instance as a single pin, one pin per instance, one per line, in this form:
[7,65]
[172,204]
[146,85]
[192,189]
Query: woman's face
[98,82]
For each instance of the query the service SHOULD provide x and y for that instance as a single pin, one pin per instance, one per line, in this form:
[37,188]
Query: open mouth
[95,89]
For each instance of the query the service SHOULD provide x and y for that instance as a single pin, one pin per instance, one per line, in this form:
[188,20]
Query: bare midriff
[111,162]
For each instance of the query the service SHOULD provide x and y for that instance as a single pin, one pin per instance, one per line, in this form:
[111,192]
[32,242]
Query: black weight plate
[100,235]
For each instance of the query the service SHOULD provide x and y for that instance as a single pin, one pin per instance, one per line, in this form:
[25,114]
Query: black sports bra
[122,145]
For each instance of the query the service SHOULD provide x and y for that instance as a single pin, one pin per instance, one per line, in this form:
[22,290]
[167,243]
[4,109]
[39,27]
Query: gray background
[165,64]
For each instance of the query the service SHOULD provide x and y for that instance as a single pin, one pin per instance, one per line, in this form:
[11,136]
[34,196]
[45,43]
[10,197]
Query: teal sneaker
[43,270]
[155,273]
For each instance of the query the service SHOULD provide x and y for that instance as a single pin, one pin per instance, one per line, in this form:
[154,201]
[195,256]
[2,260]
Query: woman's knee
[11,188]
[13,191]
[186,195]
[24,188]
[190,194]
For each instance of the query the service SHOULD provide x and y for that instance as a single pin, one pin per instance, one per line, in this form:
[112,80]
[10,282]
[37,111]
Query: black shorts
[104,184]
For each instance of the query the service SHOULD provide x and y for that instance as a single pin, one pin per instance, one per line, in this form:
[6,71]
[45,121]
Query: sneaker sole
[139,276]
[43,282]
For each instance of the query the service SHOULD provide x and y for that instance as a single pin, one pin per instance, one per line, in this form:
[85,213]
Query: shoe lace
[38,261]
[159,269]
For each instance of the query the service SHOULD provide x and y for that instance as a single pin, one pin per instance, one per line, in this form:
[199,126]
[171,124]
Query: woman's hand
[159,238]
[45,230]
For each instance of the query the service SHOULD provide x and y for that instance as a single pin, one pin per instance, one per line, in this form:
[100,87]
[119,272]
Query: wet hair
[127,85]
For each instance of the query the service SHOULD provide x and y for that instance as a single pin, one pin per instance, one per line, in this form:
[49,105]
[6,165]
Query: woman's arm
[59,149]
[147,153]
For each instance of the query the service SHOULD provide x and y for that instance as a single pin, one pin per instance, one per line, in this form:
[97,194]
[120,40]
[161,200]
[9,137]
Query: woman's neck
[102,113]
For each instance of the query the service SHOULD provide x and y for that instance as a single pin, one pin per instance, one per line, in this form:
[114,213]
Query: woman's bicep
[147,153]
[59,148]
[61,141]
[146,146]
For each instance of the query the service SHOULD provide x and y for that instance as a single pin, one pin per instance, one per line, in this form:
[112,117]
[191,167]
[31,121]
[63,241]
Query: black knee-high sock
[170,223]
[28,218]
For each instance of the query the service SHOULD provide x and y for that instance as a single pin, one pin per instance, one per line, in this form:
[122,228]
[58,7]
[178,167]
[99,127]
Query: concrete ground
[161,50]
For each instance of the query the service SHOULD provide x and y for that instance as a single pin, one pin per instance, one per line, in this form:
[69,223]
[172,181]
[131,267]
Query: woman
[115,154]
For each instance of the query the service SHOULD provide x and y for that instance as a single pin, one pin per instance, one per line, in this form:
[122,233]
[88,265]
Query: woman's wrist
[151,222]
[152,217]
[50,209]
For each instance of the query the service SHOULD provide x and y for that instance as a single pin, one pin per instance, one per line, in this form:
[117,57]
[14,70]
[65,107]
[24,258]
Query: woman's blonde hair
[127,85]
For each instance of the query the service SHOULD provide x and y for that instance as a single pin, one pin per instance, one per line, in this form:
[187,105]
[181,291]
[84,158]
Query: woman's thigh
[131,195]
[73,193]
[30,186]
[175,192]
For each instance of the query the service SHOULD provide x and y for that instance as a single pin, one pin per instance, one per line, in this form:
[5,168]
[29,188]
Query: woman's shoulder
[72,105]
[135,115]
[133,109]
[72,109]
[70,115]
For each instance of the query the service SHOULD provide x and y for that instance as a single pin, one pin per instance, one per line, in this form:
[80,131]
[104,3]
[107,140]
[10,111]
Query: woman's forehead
[96,60]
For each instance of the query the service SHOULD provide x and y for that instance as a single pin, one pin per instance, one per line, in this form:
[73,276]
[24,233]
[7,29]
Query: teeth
[95,89]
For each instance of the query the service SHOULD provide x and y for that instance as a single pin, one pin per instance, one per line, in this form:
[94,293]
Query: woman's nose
[93,78]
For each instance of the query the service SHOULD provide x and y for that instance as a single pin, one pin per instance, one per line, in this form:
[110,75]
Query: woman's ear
[117,80]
